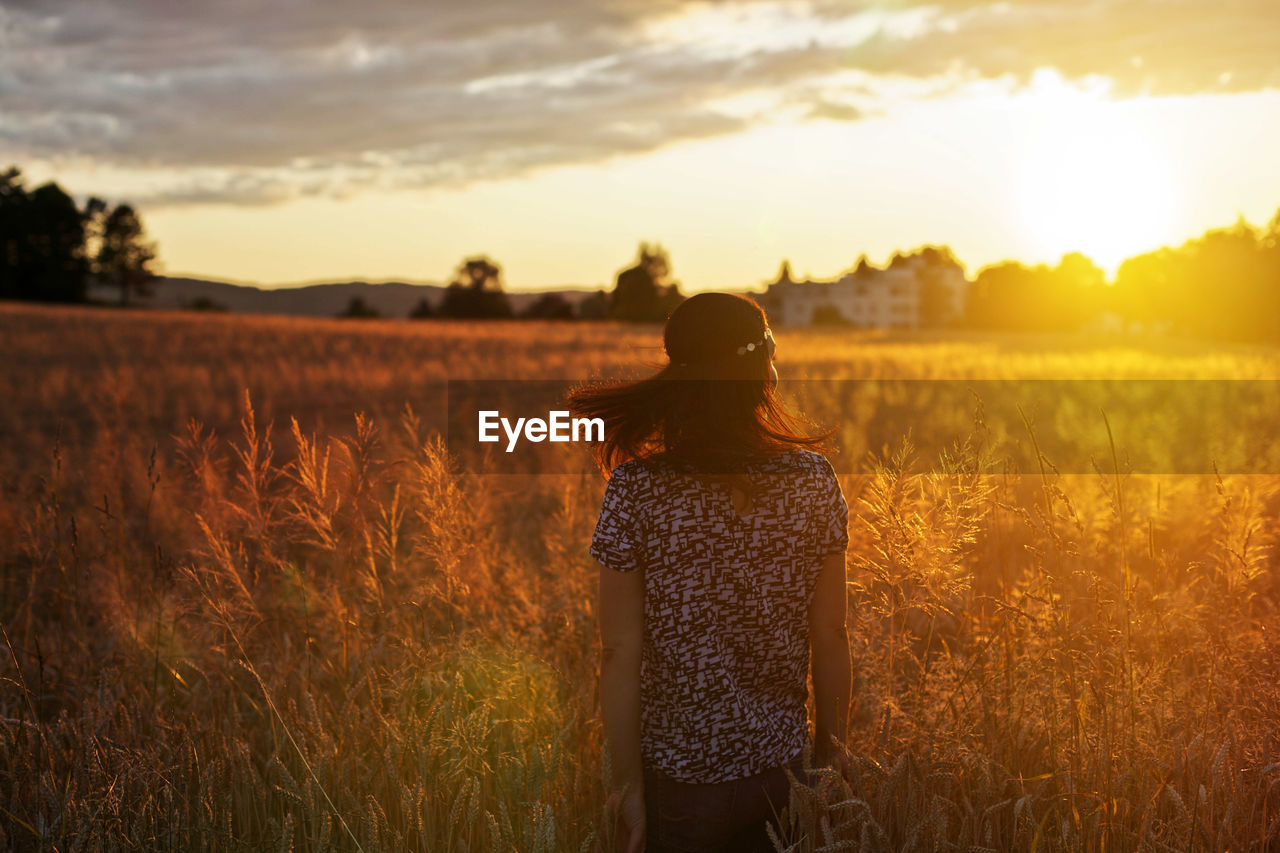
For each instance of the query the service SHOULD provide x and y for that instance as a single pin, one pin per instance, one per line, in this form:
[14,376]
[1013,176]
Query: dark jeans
[727,816]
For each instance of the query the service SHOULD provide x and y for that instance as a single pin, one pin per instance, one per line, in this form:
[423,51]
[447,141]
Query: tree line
[52,251]
[643,292]
[1224,284]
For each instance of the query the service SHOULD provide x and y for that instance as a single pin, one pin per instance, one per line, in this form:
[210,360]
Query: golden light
[1092,178]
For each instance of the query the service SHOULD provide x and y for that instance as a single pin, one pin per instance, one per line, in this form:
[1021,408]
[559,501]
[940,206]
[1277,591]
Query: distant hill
[388,298]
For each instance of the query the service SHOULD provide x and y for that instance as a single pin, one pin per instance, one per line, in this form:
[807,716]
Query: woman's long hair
[712,408]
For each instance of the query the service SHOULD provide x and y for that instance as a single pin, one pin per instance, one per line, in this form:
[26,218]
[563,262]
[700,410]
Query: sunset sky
[315,139]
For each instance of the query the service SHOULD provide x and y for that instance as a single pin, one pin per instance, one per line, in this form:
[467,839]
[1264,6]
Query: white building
[897,297]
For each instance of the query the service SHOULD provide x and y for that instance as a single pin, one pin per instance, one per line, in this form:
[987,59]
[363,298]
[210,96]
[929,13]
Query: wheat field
[249,602]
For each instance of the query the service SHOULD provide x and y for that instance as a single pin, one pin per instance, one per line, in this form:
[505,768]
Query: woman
[721,544]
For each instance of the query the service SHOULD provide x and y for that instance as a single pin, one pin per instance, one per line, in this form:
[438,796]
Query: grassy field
[248,603]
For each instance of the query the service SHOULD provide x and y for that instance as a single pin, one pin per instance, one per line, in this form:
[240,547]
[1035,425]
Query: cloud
[1158,47]
[245,102]
[834,110]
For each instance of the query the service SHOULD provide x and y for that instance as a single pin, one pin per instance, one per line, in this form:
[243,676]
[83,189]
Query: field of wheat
[248,601]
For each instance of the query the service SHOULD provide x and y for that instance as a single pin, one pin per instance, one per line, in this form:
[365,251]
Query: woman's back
[727,596]
[722,578]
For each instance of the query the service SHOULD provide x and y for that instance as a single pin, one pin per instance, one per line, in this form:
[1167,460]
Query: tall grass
[231,621]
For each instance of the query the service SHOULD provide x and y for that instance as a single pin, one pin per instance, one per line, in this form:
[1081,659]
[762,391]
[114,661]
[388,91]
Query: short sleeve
[832,520]
[615,542]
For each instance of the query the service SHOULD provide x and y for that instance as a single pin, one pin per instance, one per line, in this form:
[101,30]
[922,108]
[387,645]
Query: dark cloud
[255,102]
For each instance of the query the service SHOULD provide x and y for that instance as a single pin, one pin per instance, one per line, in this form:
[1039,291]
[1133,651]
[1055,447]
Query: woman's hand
[626,816]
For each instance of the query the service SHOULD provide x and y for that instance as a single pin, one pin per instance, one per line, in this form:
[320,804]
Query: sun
[1091,178]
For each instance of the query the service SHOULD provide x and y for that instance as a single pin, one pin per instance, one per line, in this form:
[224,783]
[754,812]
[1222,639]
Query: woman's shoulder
[801,459]
[638,474]
[649,469]
[627,471]
[641,467]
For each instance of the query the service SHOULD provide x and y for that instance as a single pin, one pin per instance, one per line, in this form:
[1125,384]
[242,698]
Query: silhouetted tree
[644,293]
[1081,289]
[595,306]
[1145,291]
[476,291]
[422,311]
[42,242]
[359,309]
[204,303]
[1271,235]
[1007,296]
[1269,248]
[1010,295]
[124,257]
[549,306]
[1226,270]
[1223,285]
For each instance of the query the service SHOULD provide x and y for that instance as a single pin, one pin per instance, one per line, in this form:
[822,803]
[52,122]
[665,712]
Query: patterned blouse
[723,674]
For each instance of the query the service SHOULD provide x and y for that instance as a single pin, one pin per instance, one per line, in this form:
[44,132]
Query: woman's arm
[620,611]
[832,674]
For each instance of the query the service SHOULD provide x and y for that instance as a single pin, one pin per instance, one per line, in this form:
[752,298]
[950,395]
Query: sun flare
[1091,178]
